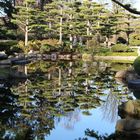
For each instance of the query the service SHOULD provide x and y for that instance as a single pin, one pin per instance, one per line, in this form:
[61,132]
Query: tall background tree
[27,18]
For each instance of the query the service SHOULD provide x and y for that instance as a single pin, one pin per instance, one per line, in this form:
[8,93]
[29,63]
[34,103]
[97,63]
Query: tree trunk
[88,33]
[81,40]
[26,71]
[42,2]
[70,35]
[59,77]
[71,41]
[60,30]
[107,42]
[127,34]
[50,27]
[26,36]
[88,24]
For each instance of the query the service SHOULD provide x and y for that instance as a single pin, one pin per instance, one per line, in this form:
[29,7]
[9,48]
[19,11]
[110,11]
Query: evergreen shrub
[135,40]
[121,48]
[136,65]
[45,49]
[6,45]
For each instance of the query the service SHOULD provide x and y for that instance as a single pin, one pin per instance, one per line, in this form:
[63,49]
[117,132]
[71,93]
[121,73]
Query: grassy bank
[134,53]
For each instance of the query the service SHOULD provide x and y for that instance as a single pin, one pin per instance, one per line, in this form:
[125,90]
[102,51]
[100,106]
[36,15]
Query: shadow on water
[56,93]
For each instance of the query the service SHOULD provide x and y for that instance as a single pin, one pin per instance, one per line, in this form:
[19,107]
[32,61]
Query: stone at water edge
[130,108]
[128,126]
[121,74]
[127,75]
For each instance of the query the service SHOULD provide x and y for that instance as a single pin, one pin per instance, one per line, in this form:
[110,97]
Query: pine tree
[27,18]
[92,15]
[54,18]
[126,22]
[71,25]
[109,27]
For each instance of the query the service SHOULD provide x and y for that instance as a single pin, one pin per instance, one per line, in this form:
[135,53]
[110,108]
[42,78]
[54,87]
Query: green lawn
[118,54]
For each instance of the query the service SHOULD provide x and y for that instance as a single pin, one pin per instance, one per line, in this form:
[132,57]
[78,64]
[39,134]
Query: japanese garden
[69,70]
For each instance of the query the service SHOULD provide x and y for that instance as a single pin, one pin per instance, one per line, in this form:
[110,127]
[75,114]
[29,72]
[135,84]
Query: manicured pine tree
[54,13]
[127,21]
[27,18]
[109,27]
[71,22]
[51,14]
[100,15]
[23,18]
[38,24]
[86,13]
[91,13]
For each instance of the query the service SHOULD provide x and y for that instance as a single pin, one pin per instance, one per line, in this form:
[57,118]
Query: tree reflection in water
[116,94]
[70,119]
[56,92]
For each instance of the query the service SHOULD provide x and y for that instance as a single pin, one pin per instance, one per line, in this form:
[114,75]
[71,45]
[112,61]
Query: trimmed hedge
[121,48]
[136,65]
[9,46]
[135,40]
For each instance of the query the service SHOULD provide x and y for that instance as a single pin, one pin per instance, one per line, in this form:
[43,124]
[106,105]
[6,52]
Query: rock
[53,56]
[17,74]
[21,62]
[65,56]
[131,126]
[127,75]
[121,81]
[130,109]
[121,74]
[5,62]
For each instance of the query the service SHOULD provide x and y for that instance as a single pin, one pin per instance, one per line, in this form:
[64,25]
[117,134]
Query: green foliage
[49,45]
[119,66]
[40,45]
[10,47]
[21,46]
[121,48]
[93,43]
[104,51]
[44,49]
[136,65]
[135,40]
[6,33]
[69,20]
[7,45]
[52,42]
[109,25]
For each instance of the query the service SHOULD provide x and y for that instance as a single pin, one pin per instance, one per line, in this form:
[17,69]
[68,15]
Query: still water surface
[62,100]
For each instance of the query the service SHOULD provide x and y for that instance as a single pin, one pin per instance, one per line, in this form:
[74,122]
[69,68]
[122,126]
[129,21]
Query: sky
[137,4]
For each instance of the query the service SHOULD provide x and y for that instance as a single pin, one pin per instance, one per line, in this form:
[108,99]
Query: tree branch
[127,7]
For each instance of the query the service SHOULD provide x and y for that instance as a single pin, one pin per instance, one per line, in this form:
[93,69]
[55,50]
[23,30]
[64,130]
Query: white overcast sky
[137,4]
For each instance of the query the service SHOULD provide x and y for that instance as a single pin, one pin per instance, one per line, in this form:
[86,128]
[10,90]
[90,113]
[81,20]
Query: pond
[61,101]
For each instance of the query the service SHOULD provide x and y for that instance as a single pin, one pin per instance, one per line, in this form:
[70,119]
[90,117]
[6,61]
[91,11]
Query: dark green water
[61,101]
